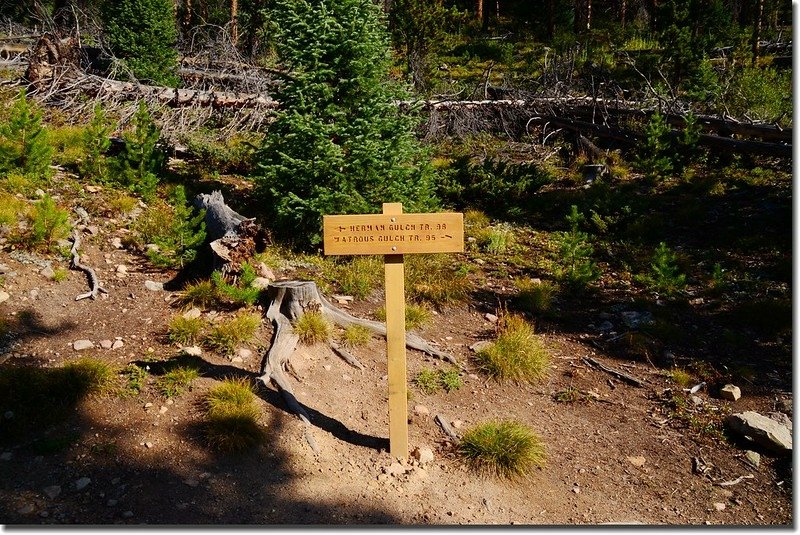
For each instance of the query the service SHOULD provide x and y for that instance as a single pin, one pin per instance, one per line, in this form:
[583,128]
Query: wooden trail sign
[394,234]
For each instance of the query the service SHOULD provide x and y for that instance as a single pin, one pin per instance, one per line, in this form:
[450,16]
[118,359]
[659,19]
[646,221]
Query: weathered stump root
[288,301]
[75,263]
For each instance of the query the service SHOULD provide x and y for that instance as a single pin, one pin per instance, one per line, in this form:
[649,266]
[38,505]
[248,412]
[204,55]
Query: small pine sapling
[96,142]
[655,156]
[242,292]
[575,265]
[23,141]
[666,276]
[49,223]
[186,232]
[142,158]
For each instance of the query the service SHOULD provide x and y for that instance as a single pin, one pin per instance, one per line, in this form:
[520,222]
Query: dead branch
[616,373]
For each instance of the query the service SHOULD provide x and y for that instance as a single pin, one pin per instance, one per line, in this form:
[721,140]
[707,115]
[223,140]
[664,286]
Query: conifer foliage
[339,144]
[143,34]
[23,140]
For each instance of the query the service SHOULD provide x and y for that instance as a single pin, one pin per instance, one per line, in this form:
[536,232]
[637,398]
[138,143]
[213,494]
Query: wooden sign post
[394,234]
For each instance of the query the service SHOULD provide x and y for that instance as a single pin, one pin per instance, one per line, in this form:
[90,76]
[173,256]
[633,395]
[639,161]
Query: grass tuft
[226,335]
[356,336]
[534,295]
[506,449]
[175,381]
[313,328]
[434,279]
[232,416]
[360,276]
[681,377]
[516,355]
[202,294]
[427,381]
[184,331]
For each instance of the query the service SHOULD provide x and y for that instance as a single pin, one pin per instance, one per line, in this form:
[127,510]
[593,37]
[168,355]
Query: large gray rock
[762,430]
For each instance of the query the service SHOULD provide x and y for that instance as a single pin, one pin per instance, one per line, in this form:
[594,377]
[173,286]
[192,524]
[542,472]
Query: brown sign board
[367,234]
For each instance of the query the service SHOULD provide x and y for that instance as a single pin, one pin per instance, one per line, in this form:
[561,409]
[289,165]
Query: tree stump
[288,301]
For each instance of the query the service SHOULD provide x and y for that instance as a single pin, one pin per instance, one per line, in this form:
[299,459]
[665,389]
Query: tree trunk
[758,15]
[623,11]
[551,19]
[234,22]
[479,10]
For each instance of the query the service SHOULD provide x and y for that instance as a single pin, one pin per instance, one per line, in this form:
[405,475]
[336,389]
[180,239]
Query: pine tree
[143,34]
[96,142]
[142,158]
[23,140]
[339,144]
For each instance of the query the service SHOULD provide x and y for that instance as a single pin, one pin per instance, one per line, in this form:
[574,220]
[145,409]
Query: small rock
[106,344]
[343,299]
[395,469]
[480,345]
[605,326]
[162,410]
[762,430]
[94,230]
[148,405]
[192,351]
[752,458]
[457,424]
[117,344]
[80,345]
[421,410]
[48,272]
[633,319]
[112,503]
[637,461]
[154,286]
[52,491]
[719,506]
[696,400]
[4,296]
[8,415]
[244,353]
[346,378]
[237,359]
[576,489]
[6,456]
[26,509]
[191,482]
[122,269]
[39,192]
[148,445]
[422,454]
[92,189]
[82,483]
[116,243]
[784,405]
[265,271]
[128,514]
[152,247]
[492,318]
[192,314]
[262,283]
[730,392]
[327,367]
[34,293]
[697,301]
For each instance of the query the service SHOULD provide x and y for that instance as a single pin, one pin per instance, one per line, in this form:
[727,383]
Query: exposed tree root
[75,263]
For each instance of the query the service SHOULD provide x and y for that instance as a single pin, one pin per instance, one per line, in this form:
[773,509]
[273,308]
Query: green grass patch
[227,334]
[201,294]
[680,377]
[427,381]
[134,380]
[313,327]
[356,336]
[185,331]
[534,295]
[361,276]
[177,380]
[506,449]
[434,279]
[516,355]
[232,416]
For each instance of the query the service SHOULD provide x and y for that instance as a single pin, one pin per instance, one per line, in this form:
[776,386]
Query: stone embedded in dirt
[128,514]
[730,392]
[752,458]
[192,314]
[154,286]
[82,483]
[422,454]
[262,283]
[94,230]
[719,506]
[162,410]
[8,415]
[421,410]
[147,406]
[697,400]
[781,418]
[52,491]
[633,319]
[6,456]
[48,272]
[192,482]
[244,353]
[26,509]
[192,351]
[457,424]
[637,461]
[106,344]
[762,430]
[148,445]
[80,345]
[122,270]
[118,343]
[112,502]
[395,469]
[34,293]
[116,242]
[265,271]
[490,317]
[480,345]
[4,296]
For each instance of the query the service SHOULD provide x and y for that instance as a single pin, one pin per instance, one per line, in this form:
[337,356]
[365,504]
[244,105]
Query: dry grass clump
[312,328]
[184,331]
[227,334]
[506,449]
[360,276]
[356,336]
[434,279]
[517,354]
[534,295]
[202,294]
[232,416]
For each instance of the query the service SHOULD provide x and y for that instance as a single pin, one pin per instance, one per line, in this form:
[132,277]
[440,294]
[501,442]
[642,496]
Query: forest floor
[616,453]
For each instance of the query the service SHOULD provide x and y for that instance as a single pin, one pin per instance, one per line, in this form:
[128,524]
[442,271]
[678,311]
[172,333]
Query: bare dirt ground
[615,455]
